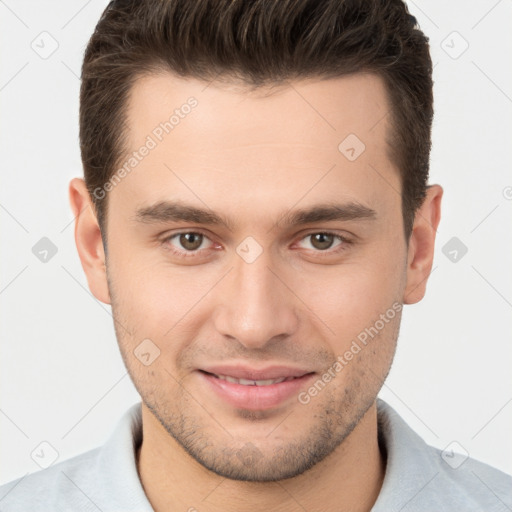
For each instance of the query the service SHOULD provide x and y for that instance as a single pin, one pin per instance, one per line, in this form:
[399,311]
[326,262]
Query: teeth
[247,382]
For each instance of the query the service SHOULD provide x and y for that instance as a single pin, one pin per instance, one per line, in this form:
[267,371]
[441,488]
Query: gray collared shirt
[418,476]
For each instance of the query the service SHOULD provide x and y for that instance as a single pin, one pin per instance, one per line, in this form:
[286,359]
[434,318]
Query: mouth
[253,389]
[252,382]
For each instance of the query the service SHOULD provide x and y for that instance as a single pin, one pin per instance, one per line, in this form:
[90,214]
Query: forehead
[264,144]
[313,110]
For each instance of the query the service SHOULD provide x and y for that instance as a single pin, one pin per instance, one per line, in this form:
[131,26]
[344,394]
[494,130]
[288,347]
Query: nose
[255,306]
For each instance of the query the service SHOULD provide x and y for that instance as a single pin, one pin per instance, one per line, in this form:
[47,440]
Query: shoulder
[105,478]
[63,483]
[473,482]
[420,477]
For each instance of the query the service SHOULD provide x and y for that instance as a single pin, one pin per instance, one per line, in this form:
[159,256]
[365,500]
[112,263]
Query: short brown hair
[258,42]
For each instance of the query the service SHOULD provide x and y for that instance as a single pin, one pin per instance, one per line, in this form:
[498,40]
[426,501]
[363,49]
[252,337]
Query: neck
[350,478]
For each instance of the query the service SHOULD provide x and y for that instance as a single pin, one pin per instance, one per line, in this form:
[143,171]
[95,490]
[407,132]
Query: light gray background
[62,377]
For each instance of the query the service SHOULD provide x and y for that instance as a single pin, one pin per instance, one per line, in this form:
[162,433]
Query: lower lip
[255,398]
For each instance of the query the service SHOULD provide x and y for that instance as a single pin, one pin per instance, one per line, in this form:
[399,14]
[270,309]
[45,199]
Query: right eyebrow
[173,211]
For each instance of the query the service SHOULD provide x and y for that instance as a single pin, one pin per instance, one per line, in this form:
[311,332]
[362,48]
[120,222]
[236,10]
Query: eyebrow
[174,211]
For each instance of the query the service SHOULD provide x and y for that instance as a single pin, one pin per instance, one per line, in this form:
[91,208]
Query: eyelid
[344,236]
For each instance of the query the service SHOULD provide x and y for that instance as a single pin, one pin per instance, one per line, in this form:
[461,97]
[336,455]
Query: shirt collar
[118,466]
[409,468]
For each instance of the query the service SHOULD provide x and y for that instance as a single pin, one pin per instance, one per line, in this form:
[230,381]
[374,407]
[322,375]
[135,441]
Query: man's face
[260,295]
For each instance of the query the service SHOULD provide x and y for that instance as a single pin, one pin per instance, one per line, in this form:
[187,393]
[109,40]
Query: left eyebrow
[328,212]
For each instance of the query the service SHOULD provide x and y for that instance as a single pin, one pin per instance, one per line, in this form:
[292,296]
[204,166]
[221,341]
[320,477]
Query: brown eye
[322,241]
[189,244]
[191,241]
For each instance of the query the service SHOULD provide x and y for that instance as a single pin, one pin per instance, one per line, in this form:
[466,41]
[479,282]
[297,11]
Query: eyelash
[187,254]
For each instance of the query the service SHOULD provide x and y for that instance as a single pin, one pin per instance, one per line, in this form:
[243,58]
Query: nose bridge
[256,306]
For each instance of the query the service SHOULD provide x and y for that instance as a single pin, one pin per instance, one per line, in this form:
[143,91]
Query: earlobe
[88,240]
[421,245]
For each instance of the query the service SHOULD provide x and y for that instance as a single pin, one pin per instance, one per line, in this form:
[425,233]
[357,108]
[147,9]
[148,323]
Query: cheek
[155,309]
[349,298]
[156,301]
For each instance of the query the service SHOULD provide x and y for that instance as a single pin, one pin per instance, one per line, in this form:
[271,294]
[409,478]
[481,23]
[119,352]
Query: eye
[192,243]
[322,241]
[186,242]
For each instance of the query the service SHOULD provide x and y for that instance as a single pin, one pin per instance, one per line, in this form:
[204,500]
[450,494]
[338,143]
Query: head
[257,180]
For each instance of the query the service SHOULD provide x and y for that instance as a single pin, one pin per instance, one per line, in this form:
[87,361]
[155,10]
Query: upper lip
[240,371]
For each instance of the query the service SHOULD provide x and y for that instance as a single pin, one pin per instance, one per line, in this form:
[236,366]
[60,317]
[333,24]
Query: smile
[255,390]
[248,382]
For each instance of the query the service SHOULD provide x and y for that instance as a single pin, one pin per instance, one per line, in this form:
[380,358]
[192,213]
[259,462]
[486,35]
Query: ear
[88,240]
[421,245]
